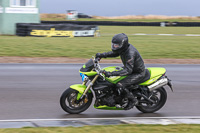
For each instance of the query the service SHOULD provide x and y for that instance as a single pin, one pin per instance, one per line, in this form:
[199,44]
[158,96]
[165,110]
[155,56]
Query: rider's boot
[132,101]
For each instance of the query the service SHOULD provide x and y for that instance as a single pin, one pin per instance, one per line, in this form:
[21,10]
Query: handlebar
[98,68]
[96,60]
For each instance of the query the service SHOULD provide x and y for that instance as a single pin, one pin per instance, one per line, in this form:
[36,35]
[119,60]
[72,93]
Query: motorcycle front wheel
[159,96]
[68,101]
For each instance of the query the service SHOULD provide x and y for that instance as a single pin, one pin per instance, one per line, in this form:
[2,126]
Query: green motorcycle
[150,92]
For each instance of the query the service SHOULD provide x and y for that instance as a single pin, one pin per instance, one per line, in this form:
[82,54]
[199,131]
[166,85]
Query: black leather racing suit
[134,69]
[133,66]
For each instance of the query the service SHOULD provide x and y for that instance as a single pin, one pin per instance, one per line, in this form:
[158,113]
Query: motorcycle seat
[146,77]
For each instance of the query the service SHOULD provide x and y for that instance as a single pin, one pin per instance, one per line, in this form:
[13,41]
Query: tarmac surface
[32,91]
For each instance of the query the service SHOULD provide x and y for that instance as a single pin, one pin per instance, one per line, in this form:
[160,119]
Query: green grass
[150,47]
[111,128]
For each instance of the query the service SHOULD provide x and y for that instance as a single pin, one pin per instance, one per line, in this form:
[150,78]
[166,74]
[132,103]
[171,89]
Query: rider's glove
[100,55]
[107,74]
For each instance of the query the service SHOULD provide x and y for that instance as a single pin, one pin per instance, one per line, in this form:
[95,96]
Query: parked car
[82,15]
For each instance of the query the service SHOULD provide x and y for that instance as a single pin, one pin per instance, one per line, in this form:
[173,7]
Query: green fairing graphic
[114,79]
[107,107]
[80,88]
[91,73]
[156,73]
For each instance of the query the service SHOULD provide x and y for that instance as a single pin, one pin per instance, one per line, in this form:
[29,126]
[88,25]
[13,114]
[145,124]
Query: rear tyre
[159,96]
[69,98]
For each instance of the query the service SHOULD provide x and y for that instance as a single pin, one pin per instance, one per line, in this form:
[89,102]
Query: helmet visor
[116,46]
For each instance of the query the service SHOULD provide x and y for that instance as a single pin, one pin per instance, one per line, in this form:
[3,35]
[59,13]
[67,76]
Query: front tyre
[159,96]
[69,104]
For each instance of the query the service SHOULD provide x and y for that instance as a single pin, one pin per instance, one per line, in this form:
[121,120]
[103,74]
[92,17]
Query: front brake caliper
[85,100]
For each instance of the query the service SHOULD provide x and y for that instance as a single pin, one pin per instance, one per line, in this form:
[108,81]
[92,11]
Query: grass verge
[111,128]
[150,47]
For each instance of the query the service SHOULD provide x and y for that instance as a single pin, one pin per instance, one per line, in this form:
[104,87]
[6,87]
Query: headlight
[83,76]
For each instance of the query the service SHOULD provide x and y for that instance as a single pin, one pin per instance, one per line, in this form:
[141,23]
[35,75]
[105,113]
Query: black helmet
[119,43]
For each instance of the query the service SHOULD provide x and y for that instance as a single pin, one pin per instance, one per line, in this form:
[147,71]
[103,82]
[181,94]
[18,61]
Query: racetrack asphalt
[32,91]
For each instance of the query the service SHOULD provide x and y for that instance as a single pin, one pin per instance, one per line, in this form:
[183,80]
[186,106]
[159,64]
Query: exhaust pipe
[160,83]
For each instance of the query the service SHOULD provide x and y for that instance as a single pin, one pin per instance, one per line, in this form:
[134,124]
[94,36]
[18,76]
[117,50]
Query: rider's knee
[119,85]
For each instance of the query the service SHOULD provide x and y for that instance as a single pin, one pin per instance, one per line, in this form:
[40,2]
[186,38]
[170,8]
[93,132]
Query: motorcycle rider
[133,63]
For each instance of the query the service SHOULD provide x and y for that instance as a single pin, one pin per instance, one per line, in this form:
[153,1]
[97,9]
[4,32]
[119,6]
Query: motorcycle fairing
[91,73]
[114,79]
[105,107]
[87,68]
[156,73]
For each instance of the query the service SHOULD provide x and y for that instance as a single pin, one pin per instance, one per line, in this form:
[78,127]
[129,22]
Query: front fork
[88,87]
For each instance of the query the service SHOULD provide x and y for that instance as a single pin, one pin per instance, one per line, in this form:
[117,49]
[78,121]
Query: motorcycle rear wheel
[159,96]
[68,101]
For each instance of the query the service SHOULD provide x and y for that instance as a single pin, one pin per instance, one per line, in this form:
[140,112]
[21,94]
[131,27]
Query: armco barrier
[109,23]
[187,24]
[114,23]
[56,30]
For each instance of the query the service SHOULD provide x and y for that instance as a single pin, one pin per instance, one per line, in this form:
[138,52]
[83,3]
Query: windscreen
[88,66]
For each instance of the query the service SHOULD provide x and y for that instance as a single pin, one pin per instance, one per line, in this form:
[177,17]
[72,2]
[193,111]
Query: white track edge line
[114,118]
